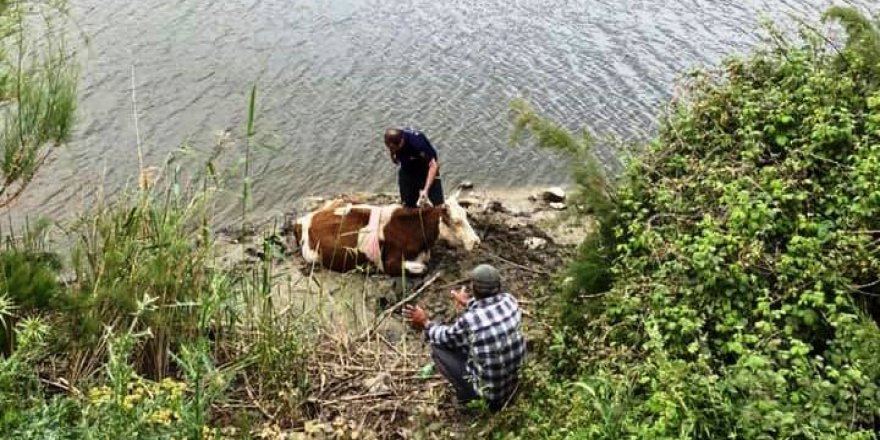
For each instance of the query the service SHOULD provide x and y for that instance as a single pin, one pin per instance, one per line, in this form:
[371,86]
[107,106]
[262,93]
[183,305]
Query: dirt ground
[373,375]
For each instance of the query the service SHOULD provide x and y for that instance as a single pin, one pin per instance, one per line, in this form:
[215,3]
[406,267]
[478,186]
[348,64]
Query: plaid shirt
[489,331]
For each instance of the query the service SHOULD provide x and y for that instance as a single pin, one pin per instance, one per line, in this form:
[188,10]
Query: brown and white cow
[342,236]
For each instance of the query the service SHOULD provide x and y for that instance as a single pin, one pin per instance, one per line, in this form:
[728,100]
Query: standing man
[481,353]
[419,173]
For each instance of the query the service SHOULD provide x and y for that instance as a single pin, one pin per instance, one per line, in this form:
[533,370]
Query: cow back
[335,237]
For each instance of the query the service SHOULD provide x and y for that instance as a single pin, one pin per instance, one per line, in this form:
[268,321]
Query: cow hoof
[415,267]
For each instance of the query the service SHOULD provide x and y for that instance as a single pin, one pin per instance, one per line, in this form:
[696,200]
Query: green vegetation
[135,330]
[737,294]
[147,335]
[730,290]
[37,90]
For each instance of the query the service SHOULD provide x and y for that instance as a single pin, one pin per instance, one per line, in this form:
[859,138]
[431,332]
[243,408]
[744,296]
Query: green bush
[29,281]
[127,406]
[145,252]
[146,284]
[745,264]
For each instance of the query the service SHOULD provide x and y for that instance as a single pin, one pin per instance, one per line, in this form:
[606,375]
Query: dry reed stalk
[348,366]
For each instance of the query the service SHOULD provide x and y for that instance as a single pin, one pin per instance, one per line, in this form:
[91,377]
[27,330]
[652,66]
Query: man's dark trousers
[411,185]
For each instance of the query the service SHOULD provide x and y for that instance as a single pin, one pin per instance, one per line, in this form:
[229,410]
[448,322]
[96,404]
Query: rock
[553,195]
[467,184]
[467,202]
[255,253]
[518,212]
[558,206]
[516,222]
[494,206]
[534,243]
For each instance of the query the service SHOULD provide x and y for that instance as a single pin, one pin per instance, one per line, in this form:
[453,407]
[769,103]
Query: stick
[250,393]
[455,283]
[134,115]
[388,370]
[393,308]
[517,264]
[351,398]
[63,385]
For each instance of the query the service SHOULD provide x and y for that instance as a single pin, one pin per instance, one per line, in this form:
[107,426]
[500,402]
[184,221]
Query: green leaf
[427,371]
[252,112]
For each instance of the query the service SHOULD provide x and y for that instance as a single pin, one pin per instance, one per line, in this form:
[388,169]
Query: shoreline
[519,232]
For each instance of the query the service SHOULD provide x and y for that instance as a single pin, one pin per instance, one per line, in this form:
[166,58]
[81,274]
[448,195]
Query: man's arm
[449,336]
[430,154]
[433,168]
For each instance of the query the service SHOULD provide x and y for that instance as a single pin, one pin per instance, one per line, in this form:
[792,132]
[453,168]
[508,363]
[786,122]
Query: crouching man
[481,353]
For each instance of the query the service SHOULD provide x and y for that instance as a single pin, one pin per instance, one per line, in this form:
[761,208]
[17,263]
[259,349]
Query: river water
[332,74]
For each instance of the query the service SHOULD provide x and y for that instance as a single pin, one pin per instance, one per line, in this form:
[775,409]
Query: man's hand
[394,158]
[433,169]
[460,297]
[423,198]
[416,316]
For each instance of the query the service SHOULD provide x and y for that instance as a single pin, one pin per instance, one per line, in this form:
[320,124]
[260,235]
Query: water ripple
[333,74]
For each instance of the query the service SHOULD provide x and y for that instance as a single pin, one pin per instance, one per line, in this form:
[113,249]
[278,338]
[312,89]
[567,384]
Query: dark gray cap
[486,278]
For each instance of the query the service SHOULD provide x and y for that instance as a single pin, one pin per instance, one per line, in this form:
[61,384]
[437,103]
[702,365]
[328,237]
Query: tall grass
[147,299]
[134,318]
[38,88]
[246,182]
[155,250]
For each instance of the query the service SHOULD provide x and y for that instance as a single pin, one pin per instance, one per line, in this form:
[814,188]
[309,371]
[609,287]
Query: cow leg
[393,265]
[420,265]
[396,265]
[415,267]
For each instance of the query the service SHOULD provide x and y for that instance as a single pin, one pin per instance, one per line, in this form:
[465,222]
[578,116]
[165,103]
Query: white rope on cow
[370,244]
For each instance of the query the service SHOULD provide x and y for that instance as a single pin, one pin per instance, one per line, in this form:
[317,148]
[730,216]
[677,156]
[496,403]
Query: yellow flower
[218,381]
[207,433]
[162,417]
[229,431]
[130,401]
[99,395]
[173,387]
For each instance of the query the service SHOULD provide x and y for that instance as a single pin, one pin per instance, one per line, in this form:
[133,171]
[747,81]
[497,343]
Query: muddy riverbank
[371,373]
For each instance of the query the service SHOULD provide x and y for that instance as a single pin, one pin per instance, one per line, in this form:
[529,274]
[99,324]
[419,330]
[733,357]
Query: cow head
[454,225]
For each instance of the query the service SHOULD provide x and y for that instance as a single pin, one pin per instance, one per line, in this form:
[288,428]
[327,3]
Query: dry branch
[389,311]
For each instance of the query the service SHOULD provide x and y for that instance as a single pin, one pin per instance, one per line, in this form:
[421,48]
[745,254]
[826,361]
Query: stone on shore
[553,195]
[533,243]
